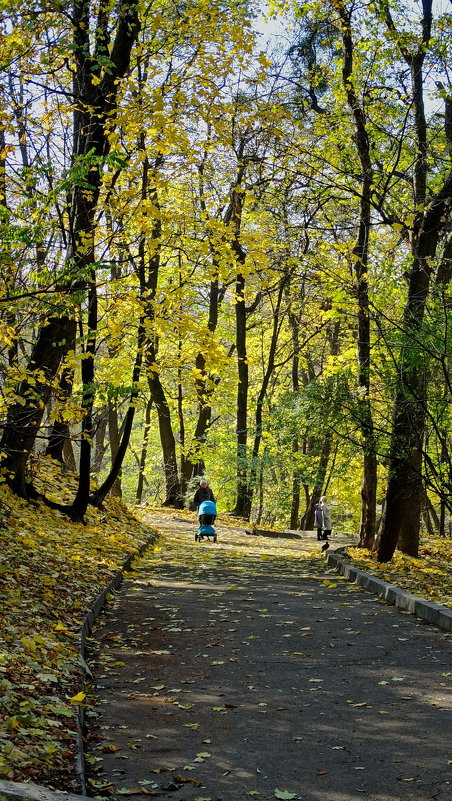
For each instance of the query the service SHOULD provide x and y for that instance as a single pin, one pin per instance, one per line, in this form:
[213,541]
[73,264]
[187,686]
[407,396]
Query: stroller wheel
[196,538]
[215,538]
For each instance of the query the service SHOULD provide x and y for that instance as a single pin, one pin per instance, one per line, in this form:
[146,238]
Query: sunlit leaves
[429,576]
[50,571]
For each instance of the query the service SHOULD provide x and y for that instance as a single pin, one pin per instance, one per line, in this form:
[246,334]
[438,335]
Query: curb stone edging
[440,616]
[35,792]
[85,631]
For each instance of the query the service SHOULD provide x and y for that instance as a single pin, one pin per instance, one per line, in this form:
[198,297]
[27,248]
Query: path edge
[85,631]
[440,616]
[37,792]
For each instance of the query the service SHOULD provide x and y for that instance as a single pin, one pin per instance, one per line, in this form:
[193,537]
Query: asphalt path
[248,669]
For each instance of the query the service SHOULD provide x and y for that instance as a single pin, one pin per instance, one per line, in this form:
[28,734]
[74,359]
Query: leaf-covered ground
[50,572]
[250,669]
[429,576]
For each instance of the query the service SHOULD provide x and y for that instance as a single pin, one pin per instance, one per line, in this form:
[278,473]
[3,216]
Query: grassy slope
[50,572]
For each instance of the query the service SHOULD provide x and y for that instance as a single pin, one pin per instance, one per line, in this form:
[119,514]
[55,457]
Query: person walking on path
[203,493]
[326,511]
[318,519]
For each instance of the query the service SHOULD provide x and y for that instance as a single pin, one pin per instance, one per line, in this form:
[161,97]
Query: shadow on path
[247,670]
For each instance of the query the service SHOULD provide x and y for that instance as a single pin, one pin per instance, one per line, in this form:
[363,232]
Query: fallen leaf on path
[284,794]
[186,780]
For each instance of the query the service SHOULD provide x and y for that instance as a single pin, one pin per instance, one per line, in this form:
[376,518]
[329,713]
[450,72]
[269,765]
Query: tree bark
[242,504]
[144,450]
[325,453]
[258,420]
[25,415]
[100,445]
[59,433]
[361,259]
[205,384]
[149,271]
[296,481]
[114,440]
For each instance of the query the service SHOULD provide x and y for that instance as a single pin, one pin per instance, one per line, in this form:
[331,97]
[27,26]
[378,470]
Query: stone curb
[35,792]
[440,616]
[85,631]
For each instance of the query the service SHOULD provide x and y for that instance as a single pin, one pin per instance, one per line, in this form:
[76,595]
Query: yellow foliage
[429,576]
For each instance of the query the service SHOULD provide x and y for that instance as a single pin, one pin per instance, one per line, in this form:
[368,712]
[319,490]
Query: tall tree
[360,265]
[99,67]
[432,209]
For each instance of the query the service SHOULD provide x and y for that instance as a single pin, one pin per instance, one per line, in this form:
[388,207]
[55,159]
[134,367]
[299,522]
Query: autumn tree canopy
[229,254]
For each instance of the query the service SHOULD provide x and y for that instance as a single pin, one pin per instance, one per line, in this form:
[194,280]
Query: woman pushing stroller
[204,500]
[203,493]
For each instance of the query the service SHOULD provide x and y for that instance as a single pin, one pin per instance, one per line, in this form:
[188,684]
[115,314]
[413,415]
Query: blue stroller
[206,515]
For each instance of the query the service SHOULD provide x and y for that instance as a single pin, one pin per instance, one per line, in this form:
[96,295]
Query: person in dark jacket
[203,493]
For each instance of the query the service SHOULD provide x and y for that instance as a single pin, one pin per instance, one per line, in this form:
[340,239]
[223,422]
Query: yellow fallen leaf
[76,699]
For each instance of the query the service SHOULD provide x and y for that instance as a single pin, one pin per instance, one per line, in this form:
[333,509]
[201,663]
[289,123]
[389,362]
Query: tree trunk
[99,496]
[24,418]
[194,461]
[168,442]
[148,275]
[325,453]
[404,492]
[296,487]
[296,482]
[59,433]
[68,455]
[99,441]
[262,394]
[144,450]
[361,260]
[77,509]
[114,439]
[242,505]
